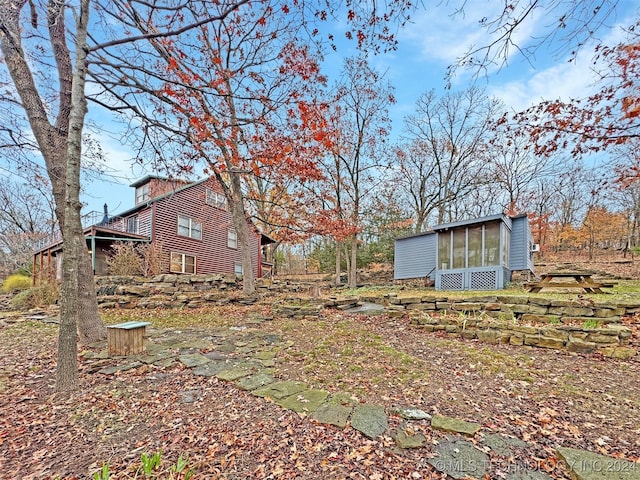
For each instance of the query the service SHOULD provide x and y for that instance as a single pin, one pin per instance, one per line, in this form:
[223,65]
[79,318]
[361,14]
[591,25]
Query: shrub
[22,300]
[15,283]
[39,296]
[45,294]
[153,260]
[124,260]
[141,259]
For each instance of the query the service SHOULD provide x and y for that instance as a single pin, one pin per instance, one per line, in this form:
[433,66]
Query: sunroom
[477,254]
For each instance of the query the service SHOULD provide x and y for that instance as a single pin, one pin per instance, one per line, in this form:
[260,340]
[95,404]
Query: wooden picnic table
[567,280]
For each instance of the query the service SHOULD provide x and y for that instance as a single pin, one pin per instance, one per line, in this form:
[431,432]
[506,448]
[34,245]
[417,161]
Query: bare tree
[59,138]
[229,91]
[27,217]
[447,152]
[360,125]
[568,26]
[515,169]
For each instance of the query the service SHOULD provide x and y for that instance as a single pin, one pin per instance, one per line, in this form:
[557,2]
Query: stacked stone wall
[576,325]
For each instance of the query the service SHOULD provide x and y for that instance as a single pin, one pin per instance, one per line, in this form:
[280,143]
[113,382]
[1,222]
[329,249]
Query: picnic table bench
[126,338]
[568,280]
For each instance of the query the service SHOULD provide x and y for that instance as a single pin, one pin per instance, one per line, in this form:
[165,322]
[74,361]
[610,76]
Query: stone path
[246,357]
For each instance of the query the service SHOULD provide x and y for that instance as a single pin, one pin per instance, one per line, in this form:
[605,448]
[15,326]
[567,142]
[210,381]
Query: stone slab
[406,439]
[209,369]
[585,465]
[191,360]
[412,413]
[280,390]
[119,368]
[255,381]
[460,459]
[233,373]
[525,474]
[502,445]
[450,424]
[332,414]
[306,401]
[370,420]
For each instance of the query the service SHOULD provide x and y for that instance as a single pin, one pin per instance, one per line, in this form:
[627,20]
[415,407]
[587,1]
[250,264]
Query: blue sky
[427,45]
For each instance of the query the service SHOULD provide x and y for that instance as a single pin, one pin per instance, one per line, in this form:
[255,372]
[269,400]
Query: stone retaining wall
[575,325]
[192,291]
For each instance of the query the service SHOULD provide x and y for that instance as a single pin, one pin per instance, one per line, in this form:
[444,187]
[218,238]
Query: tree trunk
[243,237]
[353,267]
[338,272]
[90,326]
[52,139]
[74,246]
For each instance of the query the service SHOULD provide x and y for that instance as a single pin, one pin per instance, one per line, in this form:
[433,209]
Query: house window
[474,246]
[188,227]
[132,224]
[215,199]
[183,263]
[142,193]
[232,239]
[460,248]
[238,269]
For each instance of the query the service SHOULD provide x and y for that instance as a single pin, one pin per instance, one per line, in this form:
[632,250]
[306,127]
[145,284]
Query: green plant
[45,294]
[103,473]
[150,463]
[554,320]
[151,467]
[15,283]
[180,467]
[39,296]
[22,300]
[591,323]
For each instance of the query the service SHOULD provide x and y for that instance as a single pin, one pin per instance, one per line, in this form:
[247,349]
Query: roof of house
[142,181]
[473,221]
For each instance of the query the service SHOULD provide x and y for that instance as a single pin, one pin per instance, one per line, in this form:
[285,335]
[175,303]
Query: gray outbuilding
[477,254]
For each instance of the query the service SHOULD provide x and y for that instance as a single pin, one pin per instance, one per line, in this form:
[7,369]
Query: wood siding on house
[157,222]
[521,245]
[415,257]
[211,252]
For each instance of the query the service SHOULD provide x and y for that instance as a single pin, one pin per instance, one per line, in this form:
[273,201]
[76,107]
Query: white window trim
[142,193]
[191,227]
[183,263]
[237,269]
[135,220]
[215,199]
[232,239]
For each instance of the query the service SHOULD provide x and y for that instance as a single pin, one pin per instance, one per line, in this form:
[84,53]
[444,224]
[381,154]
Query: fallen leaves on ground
[543,397]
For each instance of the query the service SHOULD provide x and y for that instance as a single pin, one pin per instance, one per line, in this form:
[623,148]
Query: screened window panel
[492,244]
[444,250]
[459,247]
[475,246]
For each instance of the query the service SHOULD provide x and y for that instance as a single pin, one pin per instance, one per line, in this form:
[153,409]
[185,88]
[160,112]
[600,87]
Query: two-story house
[189,221]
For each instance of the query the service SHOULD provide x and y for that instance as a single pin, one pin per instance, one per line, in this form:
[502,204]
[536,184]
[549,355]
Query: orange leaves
[631,106]
[608,118]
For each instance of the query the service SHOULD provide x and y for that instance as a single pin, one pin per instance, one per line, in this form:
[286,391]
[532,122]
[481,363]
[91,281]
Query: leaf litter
[545,398]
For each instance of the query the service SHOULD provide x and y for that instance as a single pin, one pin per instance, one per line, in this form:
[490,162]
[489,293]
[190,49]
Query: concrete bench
[126,338]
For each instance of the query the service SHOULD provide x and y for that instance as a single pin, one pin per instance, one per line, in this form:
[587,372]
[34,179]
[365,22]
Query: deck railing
[88,220]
